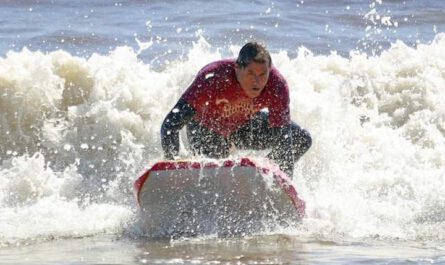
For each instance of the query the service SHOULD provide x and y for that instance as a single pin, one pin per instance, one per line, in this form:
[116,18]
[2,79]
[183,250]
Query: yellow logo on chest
[236,108]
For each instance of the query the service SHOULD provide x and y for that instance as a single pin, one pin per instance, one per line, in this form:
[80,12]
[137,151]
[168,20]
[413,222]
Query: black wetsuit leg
[205,142]
[287,144]
[256,134]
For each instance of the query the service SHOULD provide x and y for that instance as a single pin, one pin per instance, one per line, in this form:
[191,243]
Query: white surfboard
[230,197]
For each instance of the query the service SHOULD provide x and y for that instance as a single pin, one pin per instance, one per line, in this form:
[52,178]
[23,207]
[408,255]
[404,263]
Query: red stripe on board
[172,165]
[139,183]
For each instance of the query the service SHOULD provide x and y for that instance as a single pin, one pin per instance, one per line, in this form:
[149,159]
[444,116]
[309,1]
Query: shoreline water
[261,249]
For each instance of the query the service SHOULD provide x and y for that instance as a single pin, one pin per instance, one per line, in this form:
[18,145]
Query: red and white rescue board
[229,197]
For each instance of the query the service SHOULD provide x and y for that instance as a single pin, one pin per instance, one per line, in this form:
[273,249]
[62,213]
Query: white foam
[375,168]
[40,204]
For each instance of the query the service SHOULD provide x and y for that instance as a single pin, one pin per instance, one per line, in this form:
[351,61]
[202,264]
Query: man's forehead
[258,67]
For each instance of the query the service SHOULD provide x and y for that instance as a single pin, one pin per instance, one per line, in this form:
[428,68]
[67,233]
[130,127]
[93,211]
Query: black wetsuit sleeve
[175,120]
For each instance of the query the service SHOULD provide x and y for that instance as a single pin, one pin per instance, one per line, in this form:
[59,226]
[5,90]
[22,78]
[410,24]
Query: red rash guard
[221,105]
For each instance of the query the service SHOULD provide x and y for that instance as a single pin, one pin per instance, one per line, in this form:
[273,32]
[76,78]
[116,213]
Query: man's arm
[179,116]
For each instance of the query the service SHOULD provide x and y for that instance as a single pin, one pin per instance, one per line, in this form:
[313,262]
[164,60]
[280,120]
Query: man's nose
[256,80]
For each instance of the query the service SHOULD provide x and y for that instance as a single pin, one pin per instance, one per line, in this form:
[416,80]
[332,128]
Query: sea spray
[378,132]
[38,203]
[76,132]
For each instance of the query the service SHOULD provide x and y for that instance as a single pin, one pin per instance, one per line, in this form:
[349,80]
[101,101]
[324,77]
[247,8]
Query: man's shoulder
[208,79]
[276,76]
[276,83]
[218,67]
[276,88]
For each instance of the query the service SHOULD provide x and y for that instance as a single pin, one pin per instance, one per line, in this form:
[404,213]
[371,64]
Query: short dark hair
[253,52]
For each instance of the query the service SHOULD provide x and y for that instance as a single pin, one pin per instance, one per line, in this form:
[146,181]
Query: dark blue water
[85,27]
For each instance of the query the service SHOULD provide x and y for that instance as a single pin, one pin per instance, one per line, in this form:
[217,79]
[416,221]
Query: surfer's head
[252,68]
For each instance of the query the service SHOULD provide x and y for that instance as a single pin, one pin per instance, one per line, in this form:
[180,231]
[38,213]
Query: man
[242,103]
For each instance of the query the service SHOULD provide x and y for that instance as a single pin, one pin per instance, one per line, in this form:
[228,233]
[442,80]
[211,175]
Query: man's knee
[302,140]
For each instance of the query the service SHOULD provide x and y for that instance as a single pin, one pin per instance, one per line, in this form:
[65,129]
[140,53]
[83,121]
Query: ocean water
[85,85]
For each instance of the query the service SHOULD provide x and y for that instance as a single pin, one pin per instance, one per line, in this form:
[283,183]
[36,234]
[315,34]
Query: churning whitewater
[75,133]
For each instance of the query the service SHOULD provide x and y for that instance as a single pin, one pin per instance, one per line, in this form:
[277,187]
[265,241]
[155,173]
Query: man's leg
[205,142]
[257,135]
[302,141]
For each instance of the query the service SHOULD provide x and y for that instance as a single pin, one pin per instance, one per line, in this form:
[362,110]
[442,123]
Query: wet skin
[253,78]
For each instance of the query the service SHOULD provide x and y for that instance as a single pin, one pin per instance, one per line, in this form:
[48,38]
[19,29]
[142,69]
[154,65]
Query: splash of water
[77,132]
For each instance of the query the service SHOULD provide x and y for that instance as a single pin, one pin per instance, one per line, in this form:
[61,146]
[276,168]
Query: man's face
[253,78]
